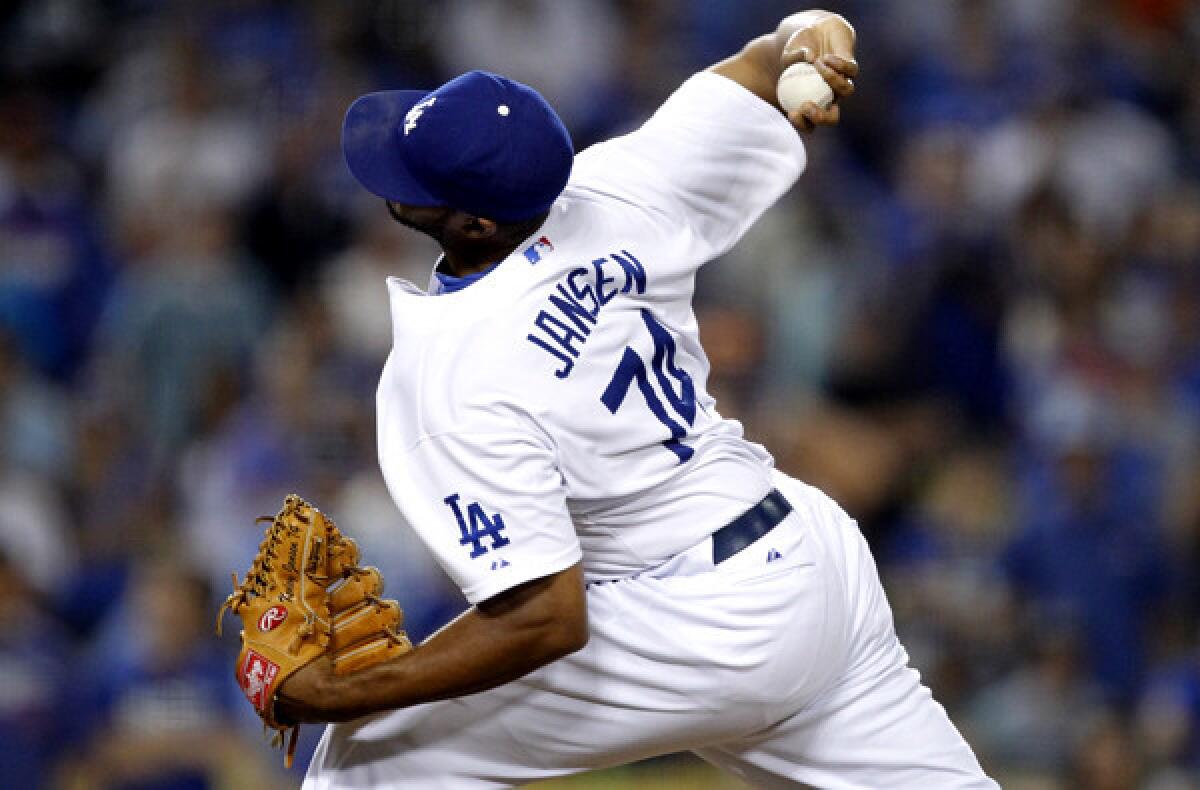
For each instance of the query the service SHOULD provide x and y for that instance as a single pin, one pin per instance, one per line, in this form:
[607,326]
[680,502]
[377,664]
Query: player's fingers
[799,119]
[847,67]
[817,116]
[802,46]
[825,34]
[840,38]
[842,86]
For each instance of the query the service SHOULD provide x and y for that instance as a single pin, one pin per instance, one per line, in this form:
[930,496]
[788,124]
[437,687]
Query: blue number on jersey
[632,367]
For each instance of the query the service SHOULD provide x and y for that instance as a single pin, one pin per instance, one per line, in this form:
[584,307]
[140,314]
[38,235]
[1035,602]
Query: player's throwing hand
[822,38]
[825,40]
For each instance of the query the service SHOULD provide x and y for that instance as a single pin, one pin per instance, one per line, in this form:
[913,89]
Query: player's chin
[423,219]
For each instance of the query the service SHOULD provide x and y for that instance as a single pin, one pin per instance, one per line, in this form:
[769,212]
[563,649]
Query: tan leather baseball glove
[303,596]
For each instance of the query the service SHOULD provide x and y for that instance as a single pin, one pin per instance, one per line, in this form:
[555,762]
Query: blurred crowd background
[976,323]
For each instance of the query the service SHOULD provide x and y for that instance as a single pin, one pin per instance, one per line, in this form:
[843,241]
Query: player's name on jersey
[563,326]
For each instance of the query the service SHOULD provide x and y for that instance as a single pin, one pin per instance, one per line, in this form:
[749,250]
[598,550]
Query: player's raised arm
[822,38]
[719,151]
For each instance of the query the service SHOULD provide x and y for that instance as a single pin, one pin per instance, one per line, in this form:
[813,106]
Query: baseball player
[642,580]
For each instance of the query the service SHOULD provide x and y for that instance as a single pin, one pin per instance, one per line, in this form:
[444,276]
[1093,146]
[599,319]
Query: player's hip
[793,524]
[762,631]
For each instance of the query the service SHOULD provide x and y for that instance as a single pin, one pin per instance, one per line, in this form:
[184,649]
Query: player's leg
[888,732]
[876,726]
[673,663]
[547,725]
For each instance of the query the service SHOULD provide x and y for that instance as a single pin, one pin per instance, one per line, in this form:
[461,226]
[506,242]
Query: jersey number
[632,368]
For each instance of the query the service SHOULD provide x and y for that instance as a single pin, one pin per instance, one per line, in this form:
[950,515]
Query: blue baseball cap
[481,143]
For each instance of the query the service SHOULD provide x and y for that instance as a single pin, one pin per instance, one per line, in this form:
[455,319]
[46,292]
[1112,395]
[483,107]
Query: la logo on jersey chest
[562,327]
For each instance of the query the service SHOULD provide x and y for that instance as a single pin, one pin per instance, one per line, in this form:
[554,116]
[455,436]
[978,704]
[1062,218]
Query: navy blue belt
[750,526]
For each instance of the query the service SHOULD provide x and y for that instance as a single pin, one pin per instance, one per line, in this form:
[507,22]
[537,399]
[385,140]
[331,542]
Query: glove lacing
[258,580]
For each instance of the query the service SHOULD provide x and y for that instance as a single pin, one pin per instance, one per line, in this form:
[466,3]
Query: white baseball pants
[787,673]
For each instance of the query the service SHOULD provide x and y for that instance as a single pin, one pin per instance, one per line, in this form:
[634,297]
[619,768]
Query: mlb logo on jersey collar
[533,253]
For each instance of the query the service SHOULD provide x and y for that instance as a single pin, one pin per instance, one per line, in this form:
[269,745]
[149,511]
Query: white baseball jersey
[556,408]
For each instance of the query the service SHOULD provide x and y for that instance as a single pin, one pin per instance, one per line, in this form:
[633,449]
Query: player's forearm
[489,645]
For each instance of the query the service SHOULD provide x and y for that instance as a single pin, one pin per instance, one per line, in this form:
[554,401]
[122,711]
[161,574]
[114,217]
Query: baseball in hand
[800,83]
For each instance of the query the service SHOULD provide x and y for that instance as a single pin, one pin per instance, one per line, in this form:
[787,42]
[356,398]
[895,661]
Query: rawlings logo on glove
[272,618]
[292,617]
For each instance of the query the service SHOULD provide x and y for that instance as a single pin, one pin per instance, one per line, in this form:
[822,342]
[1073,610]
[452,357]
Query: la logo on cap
[413,115]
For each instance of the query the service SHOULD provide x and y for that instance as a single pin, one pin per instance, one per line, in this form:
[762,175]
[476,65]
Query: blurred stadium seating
[976,322]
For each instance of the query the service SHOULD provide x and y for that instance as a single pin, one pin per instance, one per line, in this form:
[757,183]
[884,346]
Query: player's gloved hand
[825,40]
[308,611]
[283,606]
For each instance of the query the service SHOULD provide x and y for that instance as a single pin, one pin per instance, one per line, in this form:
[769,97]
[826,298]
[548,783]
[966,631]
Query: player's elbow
[560,630]
[563,627]
[545,619]
[568,621]
[571,635]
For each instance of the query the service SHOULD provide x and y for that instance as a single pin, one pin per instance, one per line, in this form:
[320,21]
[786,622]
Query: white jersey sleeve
[491,507]
[709,162]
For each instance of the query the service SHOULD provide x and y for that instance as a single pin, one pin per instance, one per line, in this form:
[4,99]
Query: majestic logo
[480,526]
[257,676]
[414,115]
[272,618]
[533,253]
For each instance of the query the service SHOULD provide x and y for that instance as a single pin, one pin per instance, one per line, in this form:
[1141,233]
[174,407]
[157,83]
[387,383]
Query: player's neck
[462,260]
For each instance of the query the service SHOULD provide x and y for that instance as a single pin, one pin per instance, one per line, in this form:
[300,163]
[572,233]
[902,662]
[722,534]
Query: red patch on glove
[256,676]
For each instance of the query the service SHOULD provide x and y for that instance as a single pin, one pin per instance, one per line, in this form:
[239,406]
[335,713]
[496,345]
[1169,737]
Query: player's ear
[477,227]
